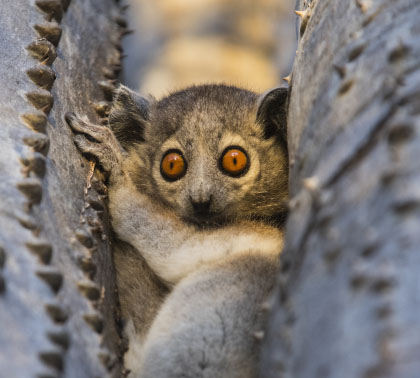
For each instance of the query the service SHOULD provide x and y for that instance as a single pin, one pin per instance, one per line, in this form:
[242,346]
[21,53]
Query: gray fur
[219,269]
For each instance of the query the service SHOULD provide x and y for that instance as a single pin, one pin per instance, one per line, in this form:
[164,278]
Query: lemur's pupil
[171,165]
[235,161]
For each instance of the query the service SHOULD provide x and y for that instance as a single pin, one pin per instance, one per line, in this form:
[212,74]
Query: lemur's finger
[85,145]
[80,126]
[102,152]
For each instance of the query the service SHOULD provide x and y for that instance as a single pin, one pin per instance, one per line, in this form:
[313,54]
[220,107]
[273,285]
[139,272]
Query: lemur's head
[212,153]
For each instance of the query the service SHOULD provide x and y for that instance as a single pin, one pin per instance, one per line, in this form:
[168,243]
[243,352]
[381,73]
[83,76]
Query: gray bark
[57,288]
[348,299]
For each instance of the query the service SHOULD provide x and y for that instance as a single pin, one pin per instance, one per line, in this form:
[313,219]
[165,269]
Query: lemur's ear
[272,112]
[129,116]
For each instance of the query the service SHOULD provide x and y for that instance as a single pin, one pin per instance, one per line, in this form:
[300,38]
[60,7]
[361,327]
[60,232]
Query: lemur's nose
[201,207]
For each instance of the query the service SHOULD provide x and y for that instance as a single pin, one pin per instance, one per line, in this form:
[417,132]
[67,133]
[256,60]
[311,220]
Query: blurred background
[175,43]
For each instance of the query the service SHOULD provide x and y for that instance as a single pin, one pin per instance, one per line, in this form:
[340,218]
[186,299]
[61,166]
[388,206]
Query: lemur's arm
[172,248]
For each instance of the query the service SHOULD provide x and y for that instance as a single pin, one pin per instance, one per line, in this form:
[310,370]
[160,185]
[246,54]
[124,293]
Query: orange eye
[234,161]
[173,166]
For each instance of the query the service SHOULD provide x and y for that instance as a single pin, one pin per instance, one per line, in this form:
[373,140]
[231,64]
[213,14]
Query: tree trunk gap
[348,296]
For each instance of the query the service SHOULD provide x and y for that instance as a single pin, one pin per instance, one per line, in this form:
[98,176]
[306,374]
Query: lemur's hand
[102,144]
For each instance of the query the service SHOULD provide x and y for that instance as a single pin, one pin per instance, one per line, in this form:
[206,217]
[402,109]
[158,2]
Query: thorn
[56,313]
[84,238]
[361,4]
[301,14]
[40,143]
[398,52]
[88,266]
[382,284]
[36,121]
[345,87]
[34,163]
[89,290]
[102,108]
[41,99]
[53,9]
[27,222]
[95,321]
[287,79]
[52,278]
[51,31]
[304,16]
[340,70]
[311,184]
[41,249]
[357,51]
[52,359]
[43,51]
[107,89]
[59,338]
[32,189]
[259,335]
[95,224]
[42,75]
[121,22]
[127,32]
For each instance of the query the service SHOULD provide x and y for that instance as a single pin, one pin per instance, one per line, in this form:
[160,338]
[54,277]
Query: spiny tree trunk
[57,287]
[348,298]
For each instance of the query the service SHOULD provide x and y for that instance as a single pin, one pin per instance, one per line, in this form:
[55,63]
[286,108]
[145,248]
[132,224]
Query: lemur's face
[208,158]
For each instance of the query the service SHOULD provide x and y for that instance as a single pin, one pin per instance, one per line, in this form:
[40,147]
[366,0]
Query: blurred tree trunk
[348,298]
[58,303]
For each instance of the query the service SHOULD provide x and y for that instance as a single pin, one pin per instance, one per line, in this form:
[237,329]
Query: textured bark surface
[57,286]
[348,298]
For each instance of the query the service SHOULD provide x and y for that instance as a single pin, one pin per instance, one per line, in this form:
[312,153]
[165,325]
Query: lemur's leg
[212,323]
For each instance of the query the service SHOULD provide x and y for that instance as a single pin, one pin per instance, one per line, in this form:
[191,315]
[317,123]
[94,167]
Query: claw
[69,117]
[83,144]
[98,141]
